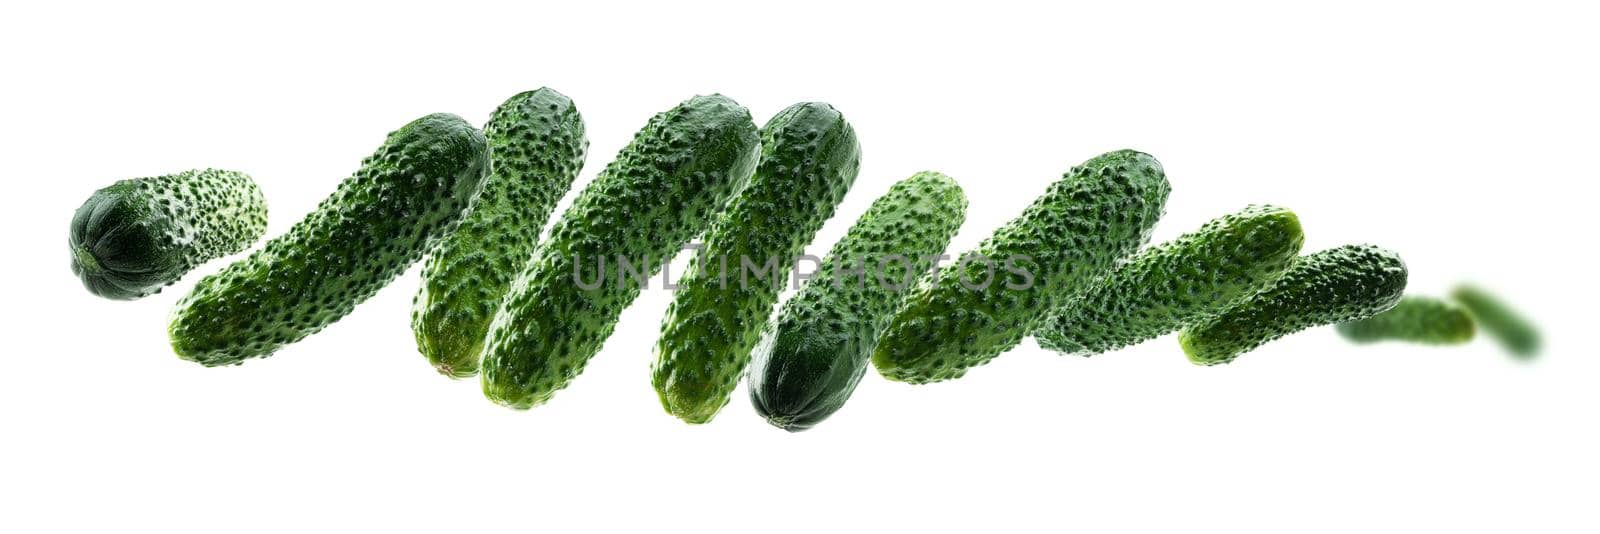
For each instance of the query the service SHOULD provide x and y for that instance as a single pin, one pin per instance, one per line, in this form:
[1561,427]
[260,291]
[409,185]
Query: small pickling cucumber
[1171,285]
[136,236]
[809,159]
[1332,286]
[986,301]
[662,190]
[396,207]
[537,145]
[812,357]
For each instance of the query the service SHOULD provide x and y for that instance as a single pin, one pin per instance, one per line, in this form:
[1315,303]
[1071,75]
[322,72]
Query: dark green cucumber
[809,361]
[1174,284]
[1332,286]
[537,145]
[662,190]
[396,207]
[1502,323]
[1416,319]
[809,159]
[985,303]
[136,236]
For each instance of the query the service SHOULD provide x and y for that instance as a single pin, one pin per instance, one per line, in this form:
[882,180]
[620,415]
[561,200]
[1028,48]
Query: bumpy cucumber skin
[1416,319]
[537,146]
[1332,286]
[809,159]
[396,207]
[134,237]
[661,191]
[810,360]
[1085,223]
[1172,285]
[1502,323]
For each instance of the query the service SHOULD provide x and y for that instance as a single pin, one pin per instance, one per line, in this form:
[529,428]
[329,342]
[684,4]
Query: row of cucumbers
[497,302]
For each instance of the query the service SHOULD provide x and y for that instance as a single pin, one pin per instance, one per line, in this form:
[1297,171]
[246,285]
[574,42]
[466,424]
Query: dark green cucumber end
[789,423]
[119,250]
[801,376]
[84,263]
[797,419]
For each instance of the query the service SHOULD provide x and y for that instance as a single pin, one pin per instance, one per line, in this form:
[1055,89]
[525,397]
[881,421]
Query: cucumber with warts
[1074,234]
[1174,284]
[536,145]
[137,236]
[809,159]
[396,207]
[1332,286]
[662,190]
[811,358]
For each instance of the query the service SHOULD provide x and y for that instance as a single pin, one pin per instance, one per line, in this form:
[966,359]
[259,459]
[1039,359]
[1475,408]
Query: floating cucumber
[1087,221]
[809,361]
[1416,319]
[1332,286]
[1176,283]
[809,159]
[661,191]
[402,200]
[1502,323]
[537,145]
[136,236]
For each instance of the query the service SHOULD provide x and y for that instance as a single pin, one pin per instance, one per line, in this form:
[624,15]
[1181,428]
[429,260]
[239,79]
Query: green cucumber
[809,361]
[137,236]
[1505,325]
[661,191]
[970,312]
[809,159]
[1416,319]
[1174,284]
[383,218]
[537,145]
[1332,286]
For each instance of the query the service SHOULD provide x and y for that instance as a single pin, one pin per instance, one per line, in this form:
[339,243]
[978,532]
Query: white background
[1461,135]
